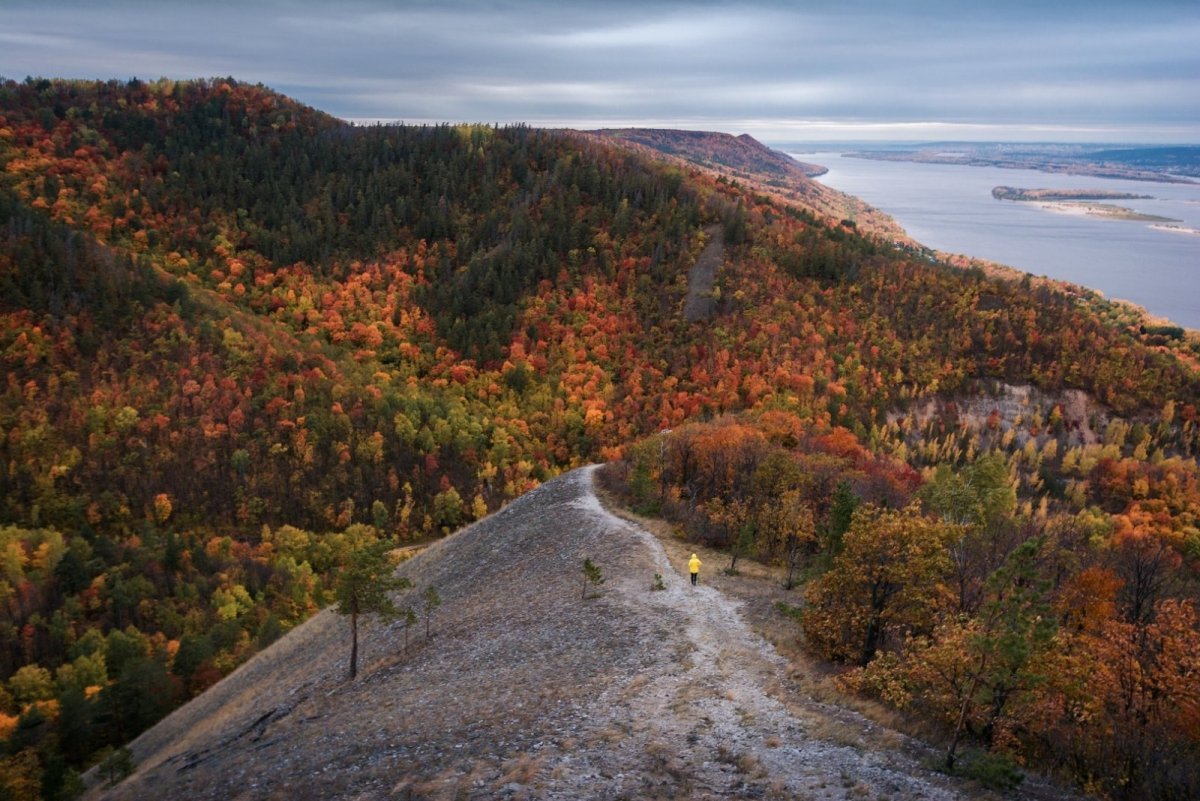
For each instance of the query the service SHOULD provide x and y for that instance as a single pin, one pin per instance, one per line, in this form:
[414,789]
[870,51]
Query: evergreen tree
[364,586]
[409,615]
[841,512]
[592,577]
[1013,629]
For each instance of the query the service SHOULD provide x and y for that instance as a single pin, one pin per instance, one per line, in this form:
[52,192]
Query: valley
[951,208]
[244,344]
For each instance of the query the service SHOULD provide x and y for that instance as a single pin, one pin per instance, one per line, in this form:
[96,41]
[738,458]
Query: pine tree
[1013,629]
[410,619]
[591,576]
[364,586]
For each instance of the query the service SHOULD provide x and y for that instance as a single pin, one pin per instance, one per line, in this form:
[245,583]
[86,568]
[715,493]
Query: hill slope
[233,329]
[720,150]
[525,688]
[749,162]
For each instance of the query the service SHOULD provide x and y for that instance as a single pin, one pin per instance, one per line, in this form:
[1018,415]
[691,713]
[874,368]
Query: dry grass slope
[527,691]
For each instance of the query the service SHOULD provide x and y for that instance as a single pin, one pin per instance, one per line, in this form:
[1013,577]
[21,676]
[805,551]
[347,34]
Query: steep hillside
[339,318]
[527,690]
[767,171]
[743,153]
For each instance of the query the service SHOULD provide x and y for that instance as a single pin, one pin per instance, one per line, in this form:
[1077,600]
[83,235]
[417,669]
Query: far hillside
[743,153]
[1177,160]
[753,165]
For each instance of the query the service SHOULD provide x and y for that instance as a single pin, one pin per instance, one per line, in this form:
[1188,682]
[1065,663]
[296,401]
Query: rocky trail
[703,274]
[710,717]
[526,690]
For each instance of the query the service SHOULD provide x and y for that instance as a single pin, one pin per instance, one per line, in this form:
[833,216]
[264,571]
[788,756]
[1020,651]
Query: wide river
[950,207]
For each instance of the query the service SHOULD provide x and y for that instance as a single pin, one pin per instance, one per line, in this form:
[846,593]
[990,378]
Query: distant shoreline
[951,216]
[1043,163]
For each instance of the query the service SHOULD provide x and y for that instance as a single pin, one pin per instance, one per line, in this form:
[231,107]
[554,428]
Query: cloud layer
[1022,69]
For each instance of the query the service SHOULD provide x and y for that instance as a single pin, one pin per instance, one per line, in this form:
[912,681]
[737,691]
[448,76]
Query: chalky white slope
[525,689]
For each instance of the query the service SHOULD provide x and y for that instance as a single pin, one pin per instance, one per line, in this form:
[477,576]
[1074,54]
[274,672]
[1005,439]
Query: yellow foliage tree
[888,581]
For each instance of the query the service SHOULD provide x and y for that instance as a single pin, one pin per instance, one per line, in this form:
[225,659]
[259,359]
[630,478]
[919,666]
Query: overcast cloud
[884,69]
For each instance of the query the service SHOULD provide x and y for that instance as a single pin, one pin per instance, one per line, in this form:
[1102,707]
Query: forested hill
[743,153]
[754,166]
[237,334]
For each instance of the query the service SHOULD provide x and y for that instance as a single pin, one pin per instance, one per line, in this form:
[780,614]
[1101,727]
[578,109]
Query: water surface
[950,207]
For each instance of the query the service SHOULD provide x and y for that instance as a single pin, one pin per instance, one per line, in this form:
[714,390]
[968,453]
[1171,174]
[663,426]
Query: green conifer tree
[364,586]
[591,576]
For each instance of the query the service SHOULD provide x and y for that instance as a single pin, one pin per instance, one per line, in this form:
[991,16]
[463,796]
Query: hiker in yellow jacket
[694,568]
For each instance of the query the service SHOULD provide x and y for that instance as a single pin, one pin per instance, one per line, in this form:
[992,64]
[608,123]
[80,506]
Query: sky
[1006,70]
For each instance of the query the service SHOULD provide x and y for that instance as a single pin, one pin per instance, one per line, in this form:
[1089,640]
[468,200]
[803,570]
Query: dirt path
[711,716]
[700,303]
[528,691]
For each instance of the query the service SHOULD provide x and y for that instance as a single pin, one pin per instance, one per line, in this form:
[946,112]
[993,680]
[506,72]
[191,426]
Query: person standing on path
[694,568]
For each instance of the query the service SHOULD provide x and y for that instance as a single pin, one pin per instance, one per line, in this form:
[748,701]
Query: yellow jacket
[694,564]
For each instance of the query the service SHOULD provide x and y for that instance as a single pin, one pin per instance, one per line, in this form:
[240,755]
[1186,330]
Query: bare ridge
[523,688]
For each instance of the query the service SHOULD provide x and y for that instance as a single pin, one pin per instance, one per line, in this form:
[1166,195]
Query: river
[950,207]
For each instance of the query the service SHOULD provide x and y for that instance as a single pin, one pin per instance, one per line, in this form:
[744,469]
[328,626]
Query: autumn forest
[238,336]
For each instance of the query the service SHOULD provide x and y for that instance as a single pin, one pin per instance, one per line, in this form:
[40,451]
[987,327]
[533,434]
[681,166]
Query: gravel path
[700,303]
[528,691]
[711,716]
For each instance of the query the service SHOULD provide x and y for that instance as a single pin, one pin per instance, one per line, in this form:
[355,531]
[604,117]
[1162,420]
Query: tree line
[1058,632]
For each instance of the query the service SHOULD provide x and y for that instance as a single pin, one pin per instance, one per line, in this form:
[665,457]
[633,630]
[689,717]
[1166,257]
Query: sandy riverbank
[1104,210]
[1176,229]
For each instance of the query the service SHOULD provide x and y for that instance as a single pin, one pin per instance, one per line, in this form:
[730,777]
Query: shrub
[993,770]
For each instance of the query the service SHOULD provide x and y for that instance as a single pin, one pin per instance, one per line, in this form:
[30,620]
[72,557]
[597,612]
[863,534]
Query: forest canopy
[233,329]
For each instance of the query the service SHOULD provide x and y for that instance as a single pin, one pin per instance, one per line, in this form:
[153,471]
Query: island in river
[1105,210]
[1081,201]
[1020,193]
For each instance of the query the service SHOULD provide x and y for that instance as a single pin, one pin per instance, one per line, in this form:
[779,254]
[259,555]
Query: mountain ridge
[525,689]
[737,152]
[744,159]
[239,337]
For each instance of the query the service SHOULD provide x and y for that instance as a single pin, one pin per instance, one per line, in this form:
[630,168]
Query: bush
[592,577]
[993,770]
[116,766]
